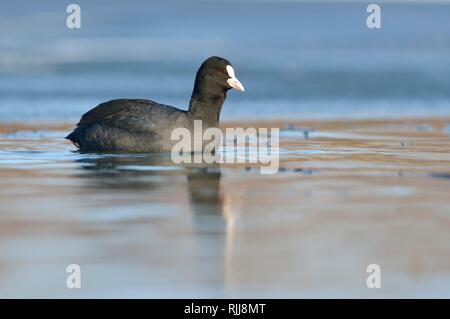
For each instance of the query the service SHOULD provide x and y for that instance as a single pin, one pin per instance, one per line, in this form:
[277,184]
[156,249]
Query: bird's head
[217,75]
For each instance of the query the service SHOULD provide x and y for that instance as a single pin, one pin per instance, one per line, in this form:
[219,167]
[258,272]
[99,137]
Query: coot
[137,125]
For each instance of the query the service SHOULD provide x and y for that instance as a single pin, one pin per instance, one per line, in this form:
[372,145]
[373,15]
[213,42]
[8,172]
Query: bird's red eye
[219,71]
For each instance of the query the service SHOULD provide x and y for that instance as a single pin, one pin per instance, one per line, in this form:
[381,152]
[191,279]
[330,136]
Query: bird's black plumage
[137,125]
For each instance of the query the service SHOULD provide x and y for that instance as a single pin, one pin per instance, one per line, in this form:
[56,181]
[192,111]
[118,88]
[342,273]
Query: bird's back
[127,124]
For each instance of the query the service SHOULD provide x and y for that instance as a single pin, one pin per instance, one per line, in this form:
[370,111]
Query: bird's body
[129,125]
[137,125]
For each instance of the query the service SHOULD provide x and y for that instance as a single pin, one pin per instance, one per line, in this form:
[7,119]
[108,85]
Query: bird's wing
[130,115]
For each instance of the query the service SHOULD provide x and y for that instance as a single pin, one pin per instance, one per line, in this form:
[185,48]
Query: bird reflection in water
[213,220]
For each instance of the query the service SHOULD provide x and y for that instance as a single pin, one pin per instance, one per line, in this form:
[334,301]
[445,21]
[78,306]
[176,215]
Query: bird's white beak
[236,84]
[233,81]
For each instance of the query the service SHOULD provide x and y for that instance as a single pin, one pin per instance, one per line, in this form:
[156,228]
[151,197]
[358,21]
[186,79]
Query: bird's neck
[206,107]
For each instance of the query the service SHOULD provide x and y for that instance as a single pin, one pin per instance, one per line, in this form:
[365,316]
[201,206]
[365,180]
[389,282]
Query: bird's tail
[73,137]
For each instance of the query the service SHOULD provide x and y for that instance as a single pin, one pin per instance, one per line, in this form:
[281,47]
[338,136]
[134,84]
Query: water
[300,60]
[348,195]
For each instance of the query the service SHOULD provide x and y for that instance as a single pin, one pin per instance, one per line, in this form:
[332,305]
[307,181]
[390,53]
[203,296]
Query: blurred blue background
[296,59]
